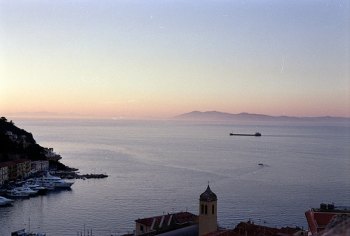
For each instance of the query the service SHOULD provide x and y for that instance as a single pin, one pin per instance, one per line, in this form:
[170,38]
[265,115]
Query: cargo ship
[257,134]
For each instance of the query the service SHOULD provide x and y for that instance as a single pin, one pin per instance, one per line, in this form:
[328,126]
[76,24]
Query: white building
[37,166]
[3,173]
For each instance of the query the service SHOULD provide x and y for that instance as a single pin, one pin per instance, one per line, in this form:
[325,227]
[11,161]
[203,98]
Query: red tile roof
[178,218]
[249,228]
[319,218]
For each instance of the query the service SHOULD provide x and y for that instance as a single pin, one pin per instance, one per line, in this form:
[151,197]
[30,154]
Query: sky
[161,58]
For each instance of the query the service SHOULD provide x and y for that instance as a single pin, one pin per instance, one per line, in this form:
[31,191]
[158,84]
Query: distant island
[222,116]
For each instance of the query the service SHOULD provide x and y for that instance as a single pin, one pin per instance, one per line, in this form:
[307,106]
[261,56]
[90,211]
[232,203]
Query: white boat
[36,187]
[15,193]
[5,201]
[57,182]
[26,189]
[38,183]
[23,232]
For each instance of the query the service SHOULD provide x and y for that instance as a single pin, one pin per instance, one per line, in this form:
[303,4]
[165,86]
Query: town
[326,220]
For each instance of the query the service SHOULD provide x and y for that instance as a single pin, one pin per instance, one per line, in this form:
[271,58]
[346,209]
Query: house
[319,218]
[17,169]
[23,167]
[164,223]
[51,155]
[39,166]
[4,174]
[183,223]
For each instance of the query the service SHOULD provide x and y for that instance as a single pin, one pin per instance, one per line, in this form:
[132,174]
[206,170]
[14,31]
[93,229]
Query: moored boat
[26,189]
[53,181]
[15,193]
[23,232]
[5,201]
[36,187]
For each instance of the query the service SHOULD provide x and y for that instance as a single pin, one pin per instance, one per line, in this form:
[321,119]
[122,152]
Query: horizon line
[71,115]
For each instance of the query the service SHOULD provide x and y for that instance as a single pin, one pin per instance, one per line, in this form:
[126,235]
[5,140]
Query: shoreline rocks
[72,174]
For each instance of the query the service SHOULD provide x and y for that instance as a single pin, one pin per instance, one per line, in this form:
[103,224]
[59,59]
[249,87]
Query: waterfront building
[51,155]
[4,175]
[319,218]
[39,166]
[23,168]
[207,212]
[17,169]
[11,169]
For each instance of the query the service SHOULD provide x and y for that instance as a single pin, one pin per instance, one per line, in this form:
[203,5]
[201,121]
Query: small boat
[36,187]
[15,193]
[26,189]
[5,201]
[257,134]
[23,232]
[42,184]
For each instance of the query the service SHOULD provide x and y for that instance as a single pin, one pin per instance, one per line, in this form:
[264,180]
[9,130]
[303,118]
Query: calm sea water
[156,167]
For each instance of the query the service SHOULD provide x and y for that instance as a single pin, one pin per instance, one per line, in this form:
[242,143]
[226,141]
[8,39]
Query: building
[207,212]
[4,174]
[319,218]
[157,225]
[183,223]
[39,166]
[11,169]
[17,169]
[51,155]
[249,228]
[23,168]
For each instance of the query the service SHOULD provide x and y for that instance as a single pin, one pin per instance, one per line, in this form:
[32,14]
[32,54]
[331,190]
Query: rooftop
[319,218]
[208,195]
[162,220]
[249,228]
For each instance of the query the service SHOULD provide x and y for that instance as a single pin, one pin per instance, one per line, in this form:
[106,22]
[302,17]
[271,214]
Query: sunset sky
[165,57]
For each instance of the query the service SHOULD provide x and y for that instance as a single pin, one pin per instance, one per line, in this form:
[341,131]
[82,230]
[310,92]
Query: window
[141,228]
[202,209]
[212,209]
[206,209]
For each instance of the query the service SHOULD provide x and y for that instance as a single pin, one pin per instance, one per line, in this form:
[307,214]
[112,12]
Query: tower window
[212,209]
[202,209]
[206,209]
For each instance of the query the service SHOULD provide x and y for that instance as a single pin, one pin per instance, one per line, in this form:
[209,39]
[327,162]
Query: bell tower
[207,212]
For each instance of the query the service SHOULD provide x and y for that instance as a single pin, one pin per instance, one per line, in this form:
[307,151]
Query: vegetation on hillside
[16,143]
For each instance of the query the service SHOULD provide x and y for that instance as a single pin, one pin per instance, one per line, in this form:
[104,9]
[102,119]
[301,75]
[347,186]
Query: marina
[35,186]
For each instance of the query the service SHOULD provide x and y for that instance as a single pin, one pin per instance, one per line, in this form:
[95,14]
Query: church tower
[207,212]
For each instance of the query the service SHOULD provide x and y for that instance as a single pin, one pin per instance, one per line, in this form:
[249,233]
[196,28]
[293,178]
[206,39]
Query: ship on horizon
[257,134]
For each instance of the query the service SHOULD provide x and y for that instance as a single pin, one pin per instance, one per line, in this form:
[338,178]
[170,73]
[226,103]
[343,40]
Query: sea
[157,167]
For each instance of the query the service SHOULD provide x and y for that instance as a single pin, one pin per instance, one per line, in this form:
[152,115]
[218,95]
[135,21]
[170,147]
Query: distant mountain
[222,116]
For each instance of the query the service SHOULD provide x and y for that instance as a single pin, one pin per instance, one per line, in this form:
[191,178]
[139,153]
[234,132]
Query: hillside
[222,116]
[16,143]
